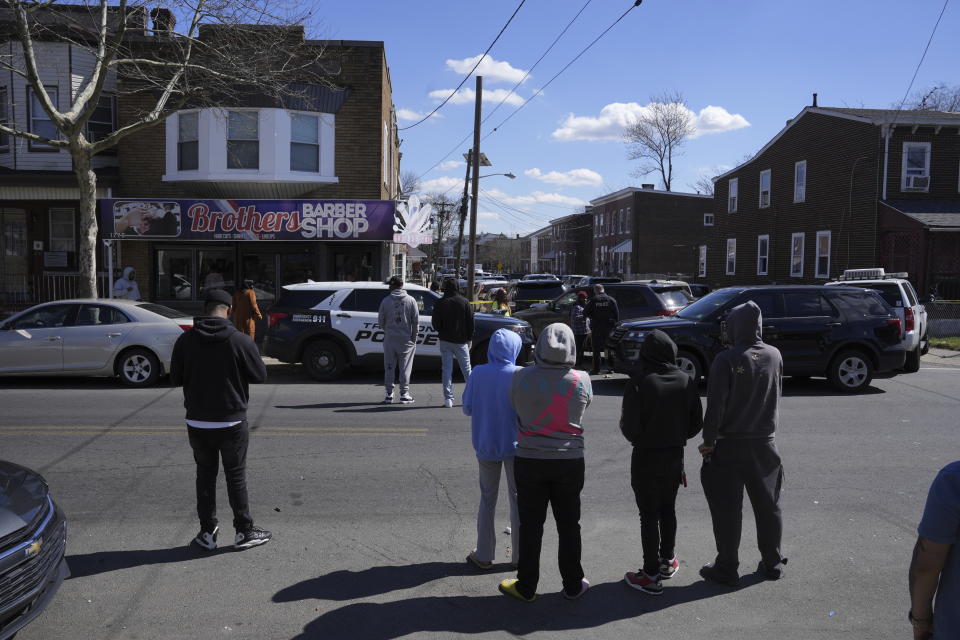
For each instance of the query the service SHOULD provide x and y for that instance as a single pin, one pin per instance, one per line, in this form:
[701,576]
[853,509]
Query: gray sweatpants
[486,514]
[397,356]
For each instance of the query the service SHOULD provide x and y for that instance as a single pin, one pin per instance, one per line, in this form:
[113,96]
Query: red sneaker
[642,582]
[669,568]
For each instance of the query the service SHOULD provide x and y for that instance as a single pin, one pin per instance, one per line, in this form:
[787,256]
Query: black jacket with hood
[743,390]
[452,316]
[661,406]
[215,364]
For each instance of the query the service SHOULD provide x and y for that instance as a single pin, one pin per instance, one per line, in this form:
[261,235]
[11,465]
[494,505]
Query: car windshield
[708,304]
[161,310]
[673,296]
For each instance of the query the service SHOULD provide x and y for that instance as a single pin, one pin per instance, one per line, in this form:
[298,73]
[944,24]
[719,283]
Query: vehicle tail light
[908,319]
[185,327]
[894,322]
[276,317]
[668,312]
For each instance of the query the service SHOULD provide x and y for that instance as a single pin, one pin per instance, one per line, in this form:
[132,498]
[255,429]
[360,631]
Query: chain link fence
[943,319]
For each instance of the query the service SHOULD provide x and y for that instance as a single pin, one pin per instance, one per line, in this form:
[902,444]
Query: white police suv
[331,325]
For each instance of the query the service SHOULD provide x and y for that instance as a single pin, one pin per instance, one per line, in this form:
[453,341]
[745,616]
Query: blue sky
[744,67]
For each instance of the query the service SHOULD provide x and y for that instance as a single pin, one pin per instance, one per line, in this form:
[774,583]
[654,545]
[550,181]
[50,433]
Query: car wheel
[324,360]
[912,363]
[850,371]
[138,368]
[479,354]
[689,363]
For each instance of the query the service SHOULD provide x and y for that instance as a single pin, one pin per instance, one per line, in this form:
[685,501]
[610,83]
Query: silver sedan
[90,337]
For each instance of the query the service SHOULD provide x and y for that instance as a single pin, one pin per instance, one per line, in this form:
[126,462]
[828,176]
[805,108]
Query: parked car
[487,288]
[33,539]
[635,300]
[699,290]
[844,333]
[663,285]
[540,276]
[675,294]
[329,326]
[899,294]
[589,281]
[525,293]
[92,337]
[572,279]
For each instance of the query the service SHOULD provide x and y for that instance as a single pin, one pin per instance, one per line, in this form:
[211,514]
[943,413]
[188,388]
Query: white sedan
[91,337]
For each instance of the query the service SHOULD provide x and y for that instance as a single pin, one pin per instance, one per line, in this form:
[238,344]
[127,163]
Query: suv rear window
[868,303]
[303,299]
[890,291]
[538,290]
[673,296]
[805,304]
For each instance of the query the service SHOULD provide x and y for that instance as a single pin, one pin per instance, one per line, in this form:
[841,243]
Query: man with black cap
[215,364]
[453,321]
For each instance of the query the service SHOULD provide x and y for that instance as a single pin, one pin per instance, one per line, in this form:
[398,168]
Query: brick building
[838,189]
[647,232]
[573,243]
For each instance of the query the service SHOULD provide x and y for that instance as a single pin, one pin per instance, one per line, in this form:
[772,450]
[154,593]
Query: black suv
[843,333]
[525,293]
[635,300]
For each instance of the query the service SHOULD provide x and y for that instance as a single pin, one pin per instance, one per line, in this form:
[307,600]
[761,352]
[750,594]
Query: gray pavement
[373,512]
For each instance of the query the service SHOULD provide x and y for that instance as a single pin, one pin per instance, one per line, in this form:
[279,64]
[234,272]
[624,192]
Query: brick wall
[667,228]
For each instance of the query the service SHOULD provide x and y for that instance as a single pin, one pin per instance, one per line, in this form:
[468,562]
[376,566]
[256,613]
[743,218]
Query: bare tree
[659,135]
[703,184]
[227,51]
[409,182]
[937,98]
[444,215]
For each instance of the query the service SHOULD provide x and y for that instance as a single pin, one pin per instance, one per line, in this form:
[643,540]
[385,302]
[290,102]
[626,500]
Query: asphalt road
[373,511]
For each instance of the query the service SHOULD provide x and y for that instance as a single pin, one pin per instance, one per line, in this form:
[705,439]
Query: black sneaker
[253,537]
[206,539]
[771,573]
[710,573]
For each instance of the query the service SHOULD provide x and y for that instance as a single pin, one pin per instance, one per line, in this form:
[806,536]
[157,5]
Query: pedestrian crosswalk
[265,430]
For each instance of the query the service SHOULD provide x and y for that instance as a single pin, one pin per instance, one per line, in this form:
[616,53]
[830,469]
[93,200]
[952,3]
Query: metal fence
[943,318]
[21,291]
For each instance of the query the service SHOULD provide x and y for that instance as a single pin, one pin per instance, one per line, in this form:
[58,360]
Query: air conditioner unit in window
[918,182]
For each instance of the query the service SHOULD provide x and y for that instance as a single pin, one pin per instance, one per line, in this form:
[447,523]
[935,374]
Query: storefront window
[260,273]
[297,267]
[216,269]
[353,265]
[174,274]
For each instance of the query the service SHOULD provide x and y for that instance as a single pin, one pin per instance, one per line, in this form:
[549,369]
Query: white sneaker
[406,399]
[448,404]
[388,399]
[207,539]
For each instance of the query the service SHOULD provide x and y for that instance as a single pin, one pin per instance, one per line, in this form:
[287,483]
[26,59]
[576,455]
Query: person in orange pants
[245,310]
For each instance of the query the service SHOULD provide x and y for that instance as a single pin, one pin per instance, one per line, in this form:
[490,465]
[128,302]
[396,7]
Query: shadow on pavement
[468,615]
[91,564]
[820,387]
[350,585]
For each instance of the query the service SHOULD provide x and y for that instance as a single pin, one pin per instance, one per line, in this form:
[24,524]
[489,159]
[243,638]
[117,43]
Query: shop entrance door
[14,281]
[352,264]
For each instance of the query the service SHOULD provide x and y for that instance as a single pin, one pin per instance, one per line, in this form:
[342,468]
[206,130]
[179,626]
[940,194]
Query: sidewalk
[942,358]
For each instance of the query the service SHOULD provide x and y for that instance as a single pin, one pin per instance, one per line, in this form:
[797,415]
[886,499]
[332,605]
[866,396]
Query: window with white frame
[622,221]
[4,119]
[765,188]
[627,224]
[731,256]
[800,181]
[385,152]
[63,232]
[702,262]
[763,254]
[304,142]
[243,140]
[823,254]
[708,219]
[102,121]
[916,166]
[796,255]
[188,141]
[732,188]
[40,122]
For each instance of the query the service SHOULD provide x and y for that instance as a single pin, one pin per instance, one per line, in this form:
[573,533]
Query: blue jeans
[449,351]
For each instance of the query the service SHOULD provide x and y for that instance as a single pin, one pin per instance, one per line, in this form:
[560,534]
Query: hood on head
[128,272]
[744,324]
[659,349]
[450,288]
[504,347]
[556,347]
[212,329]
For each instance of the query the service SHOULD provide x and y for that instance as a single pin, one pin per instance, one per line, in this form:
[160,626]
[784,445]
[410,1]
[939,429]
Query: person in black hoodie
[453,321]
[215,364]
[743,404]
[661,411]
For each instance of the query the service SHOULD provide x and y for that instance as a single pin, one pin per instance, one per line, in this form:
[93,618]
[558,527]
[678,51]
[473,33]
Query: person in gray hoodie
[743,403]
[399,318]
[550,399]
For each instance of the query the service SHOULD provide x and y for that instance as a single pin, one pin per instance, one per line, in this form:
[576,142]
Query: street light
[509,175]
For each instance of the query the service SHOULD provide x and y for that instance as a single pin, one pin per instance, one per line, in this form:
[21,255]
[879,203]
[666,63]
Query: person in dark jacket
[453,321]
[661,411]
[580,325]
[743,404]
[603,312]
[215,364]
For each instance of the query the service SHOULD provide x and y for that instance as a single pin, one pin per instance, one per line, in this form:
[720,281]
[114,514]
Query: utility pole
[476,186]
[463,214]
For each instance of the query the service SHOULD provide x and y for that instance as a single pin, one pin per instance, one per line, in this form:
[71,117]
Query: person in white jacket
[399,318]
[126,287]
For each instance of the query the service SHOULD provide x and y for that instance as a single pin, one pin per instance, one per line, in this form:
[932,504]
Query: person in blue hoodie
[494,424]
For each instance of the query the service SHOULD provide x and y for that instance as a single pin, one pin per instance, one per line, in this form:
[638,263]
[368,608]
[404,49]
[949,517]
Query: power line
[467,77]
[925,49]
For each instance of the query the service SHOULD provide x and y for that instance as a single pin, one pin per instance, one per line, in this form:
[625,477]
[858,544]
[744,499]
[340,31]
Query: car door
[806,331]
[427,341]
[770,304]
[33,342]
[356,318]
[95,337]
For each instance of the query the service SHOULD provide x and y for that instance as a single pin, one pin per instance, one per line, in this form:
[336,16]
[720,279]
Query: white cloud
[617,116]
[491,70]
[450,165]
[410,115]
[468,96]
[572,178]
[535,198]
[441,185]
[489,215]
